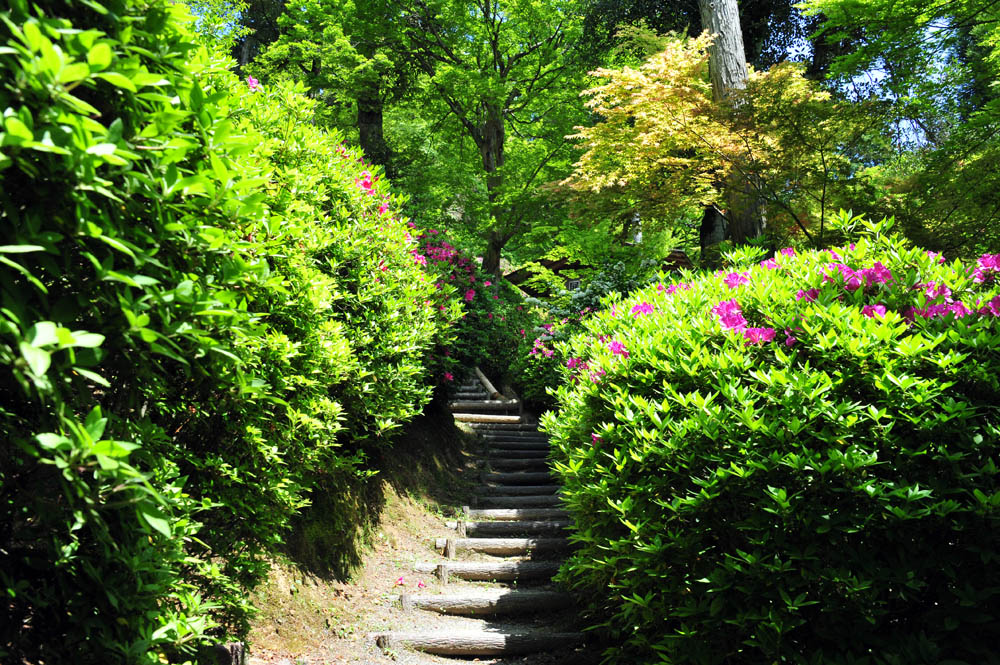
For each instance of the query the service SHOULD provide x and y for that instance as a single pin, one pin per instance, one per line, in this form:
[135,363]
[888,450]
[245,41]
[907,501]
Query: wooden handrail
[493,392]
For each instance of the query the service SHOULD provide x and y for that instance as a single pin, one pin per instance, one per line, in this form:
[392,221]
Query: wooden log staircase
[513,538]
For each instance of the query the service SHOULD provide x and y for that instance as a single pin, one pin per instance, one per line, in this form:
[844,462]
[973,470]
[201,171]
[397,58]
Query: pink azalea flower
[787,251]
[933,291]
[253,84]
[935,256]
[809,296]
[679,285]
[400,582]
[730,315]
[384,208]
[852,279]
[871,311]
[487,283]
[992,307]
[469,295]
[659,287]
[642,308]
[988,265]
[594,438]
[877,274]
[735,279]
[421,585]
[770,264]
[595,377]
[790,340]
[758,335]
[959,309]
[448,376]
[617,348]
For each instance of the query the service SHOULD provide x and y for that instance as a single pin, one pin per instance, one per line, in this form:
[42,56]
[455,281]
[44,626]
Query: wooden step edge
[485,418]
[498,571]
[523,501]
[510,490]
[478,643]
[508,514]
[479,603]
[501,546]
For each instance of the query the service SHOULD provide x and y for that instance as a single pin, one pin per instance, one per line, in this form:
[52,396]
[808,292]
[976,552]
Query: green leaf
[52,441]
[154,518]
[118,80]
[20,249]
[17,132]
[38,360]
[87,340]
[43,333]
[92,376]
[101,149]
[99,56]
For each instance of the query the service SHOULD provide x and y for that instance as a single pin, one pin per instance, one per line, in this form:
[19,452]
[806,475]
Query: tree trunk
[728,67]
[371,134]
[727,57]
[491,148]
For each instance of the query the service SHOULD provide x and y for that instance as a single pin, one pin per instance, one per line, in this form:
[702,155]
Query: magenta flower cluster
[730,316]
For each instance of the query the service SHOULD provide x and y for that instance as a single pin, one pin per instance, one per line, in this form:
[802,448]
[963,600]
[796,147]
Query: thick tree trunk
[371,133]
[728,67]
[491,148]
[727,57]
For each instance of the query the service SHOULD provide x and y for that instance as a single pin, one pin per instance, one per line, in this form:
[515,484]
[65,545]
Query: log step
[491,426]
[507,514]
[519,445]
[509,528]
[531,500]
[501,546]
[486,418]
[514,490]
[519,454]
[484,405]
[499,570]
[488,603]
[514,435]
[517,477]
[536,464]
[479,643]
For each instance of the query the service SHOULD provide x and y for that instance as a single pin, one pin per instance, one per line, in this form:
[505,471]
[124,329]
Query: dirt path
[308,620]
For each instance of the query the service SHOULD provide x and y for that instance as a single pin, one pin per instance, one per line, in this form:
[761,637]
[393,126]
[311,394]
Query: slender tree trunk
[728,67]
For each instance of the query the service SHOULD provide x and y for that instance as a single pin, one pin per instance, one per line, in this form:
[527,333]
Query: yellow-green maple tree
[662,145]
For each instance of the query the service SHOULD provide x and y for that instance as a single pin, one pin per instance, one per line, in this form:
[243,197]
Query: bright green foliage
[830,495]
[935,63]
[206,308]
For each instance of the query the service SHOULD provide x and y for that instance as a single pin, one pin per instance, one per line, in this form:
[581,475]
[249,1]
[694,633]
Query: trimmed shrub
[794,462]
[207,308]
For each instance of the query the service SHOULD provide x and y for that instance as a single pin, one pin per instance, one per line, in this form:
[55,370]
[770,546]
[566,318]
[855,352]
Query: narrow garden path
[505,549]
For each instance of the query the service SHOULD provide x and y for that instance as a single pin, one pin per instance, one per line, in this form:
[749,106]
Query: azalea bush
[791,462]
[209,308]
[493,315]
[538,367]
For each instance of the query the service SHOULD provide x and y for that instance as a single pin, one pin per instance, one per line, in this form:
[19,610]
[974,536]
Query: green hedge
[795,462]
[207,307]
